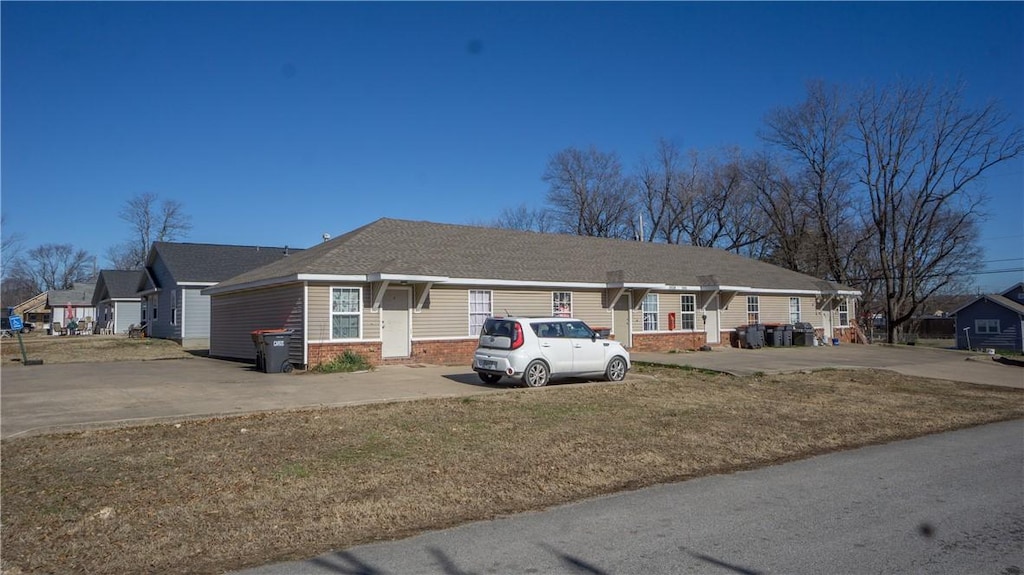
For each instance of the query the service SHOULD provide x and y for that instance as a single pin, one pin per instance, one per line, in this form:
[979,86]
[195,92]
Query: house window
[346,312]
[650,310]
[794,310]
[688,315]
[156,303]
[753,309]
[145,305]
[844,313]
[174,307]
[989,326]
[561,304]
[479,309]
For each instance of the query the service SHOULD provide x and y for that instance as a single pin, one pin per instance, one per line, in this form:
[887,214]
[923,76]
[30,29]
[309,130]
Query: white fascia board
[362,278]
[196,284]
[377,277]
[524,283]
[637,285]
[747,289]
[217,289]
[149,292]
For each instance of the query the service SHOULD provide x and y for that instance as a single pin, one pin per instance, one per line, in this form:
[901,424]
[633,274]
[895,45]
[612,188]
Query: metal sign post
[16,326]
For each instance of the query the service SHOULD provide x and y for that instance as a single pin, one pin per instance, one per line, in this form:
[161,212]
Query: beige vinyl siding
[774,308]
[444,315]
[319,316]
[587,306]
[234,316]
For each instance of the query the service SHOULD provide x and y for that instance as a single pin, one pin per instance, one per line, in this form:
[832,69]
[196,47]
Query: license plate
[488,364]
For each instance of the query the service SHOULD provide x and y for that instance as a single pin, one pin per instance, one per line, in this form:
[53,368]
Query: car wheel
[489,378]
[536,374]
[616,369]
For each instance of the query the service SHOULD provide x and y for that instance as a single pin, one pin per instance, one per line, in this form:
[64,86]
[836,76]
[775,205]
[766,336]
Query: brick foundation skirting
[435,352]
[661,342]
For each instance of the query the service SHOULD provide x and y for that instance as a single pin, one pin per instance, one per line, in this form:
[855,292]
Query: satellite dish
[326,236]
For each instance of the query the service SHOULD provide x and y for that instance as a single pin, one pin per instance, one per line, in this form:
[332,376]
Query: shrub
[348,361]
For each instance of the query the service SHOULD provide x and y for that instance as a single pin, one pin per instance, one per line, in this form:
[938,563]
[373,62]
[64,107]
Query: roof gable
[467,252]
[117,284]
[1003,301]
[211,263]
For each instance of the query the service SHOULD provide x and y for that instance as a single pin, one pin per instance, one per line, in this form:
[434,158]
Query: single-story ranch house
[116,299]
[401,291]
[169,288]
[992,321]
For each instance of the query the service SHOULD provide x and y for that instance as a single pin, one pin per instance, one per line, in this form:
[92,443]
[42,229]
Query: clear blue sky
[276,122]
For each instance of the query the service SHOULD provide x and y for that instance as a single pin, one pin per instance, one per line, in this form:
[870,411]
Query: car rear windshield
[497,333]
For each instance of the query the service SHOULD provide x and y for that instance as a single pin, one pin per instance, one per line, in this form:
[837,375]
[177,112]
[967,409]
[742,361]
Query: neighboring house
[405,292]
[993,321]
[78,298]
[34,311]
[117,300]
[172,306]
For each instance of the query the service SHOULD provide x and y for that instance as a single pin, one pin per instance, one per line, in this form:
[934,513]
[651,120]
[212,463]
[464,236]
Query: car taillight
[517,340]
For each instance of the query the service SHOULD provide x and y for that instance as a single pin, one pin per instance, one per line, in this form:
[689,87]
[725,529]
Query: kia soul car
[536,350]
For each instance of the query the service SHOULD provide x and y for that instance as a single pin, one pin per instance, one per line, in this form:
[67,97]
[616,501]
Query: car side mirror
[593,336]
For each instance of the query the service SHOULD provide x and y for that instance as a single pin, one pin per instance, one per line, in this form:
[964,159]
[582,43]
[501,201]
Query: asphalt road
[947,503]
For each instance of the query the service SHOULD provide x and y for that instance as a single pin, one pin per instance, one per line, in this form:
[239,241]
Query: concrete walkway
[936,363]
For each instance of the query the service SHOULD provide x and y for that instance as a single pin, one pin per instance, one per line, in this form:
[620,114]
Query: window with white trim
[989,326]
[844,313]
[479,309]
[346,312]
[688,312]
[794,310]
[753,309]
[561,304]
[174,307]
[650,310]
[145,307]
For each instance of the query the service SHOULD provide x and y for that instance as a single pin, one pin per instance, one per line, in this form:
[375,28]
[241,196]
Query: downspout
[305,324]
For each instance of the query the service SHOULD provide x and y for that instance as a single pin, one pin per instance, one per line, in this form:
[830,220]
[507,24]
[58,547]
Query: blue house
[993,321]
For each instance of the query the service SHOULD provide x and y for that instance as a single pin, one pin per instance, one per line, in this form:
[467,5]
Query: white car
[538,349]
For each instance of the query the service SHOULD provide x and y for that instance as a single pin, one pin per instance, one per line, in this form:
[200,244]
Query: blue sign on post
[16,323]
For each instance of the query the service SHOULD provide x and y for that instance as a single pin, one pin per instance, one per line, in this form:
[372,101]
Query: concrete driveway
[936,363]
[45,398]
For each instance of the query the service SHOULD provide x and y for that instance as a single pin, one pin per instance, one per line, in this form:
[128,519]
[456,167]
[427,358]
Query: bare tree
[10,246]
[524,218]
[716,206]
[53,266]
[588,194]
[814,136]
[923,152]
[150,221]
[659,185]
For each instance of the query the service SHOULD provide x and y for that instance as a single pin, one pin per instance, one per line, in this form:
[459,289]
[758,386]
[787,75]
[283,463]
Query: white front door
[711,324]
[826,320]
[394,323]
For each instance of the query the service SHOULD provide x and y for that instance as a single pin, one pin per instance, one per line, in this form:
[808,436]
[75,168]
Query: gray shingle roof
[457,251]
[79,295]
[117,284]
[212,263]
[996,299]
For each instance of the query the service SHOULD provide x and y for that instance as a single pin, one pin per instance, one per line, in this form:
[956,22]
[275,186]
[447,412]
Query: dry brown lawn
[219,494]
[73,349]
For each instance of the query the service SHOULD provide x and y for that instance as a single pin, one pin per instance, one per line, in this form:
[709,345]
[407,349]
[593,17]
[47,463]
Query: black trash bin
[755,336]
[803,334]
[786,335]
[773,335]
[276,351]
[257,340]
